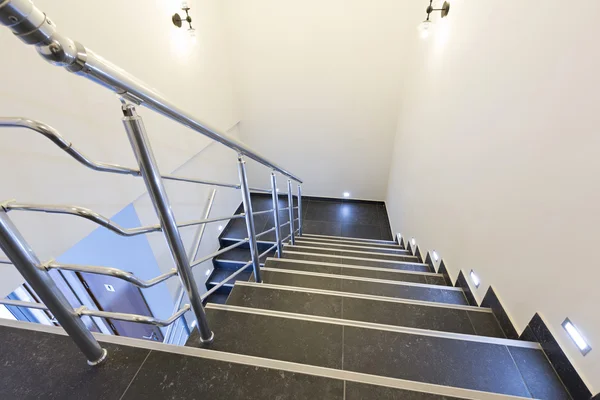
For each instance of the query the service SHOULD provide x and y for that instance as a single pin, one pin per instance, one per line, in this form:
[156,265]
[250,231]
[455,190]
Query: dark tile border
[342,200]
[444,271]
[418,254]
[461,282]
[491,300]
[538,330]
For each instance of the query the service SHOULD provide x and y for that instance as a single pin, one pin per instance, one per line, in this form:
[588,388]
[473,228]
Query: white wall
[317,88]
[496,161]
[139,37]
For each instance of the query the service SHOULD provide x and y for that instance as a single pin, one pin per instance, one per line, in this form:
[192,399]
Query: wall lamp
[425,26]
[178,20]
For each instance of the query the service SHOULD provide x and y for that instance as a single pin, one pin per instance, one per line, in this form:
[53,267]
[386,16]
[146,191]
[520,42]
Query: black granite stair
[376,309]
[377,287]
[430,278]
[307,248]
[314,242]
[362,261]
[502,366]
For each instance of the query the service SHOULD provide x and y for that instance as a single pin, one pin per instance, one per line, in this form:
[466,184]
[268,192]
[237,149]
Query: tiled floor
[335,217]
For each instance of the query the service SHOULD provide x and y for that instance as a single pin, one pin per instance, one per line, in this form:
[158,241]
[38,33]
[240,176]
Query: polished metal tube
[275,199]
[19,303]
[150,173]
[267,251]
[299,210]
[247,201]
[2,261]
[24,259]
[142,319]
[198,239]
[67,147]
[219,252]
[114,272]
[104,221]
[291,211]
[224,281]
[32,26]
[176,307]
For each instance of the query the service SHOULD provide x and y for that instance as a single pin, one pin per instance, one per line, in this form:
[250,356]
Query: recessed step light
[220,228]
[576,336]
[346,194]
[435,255]
[475,279]
[413,241]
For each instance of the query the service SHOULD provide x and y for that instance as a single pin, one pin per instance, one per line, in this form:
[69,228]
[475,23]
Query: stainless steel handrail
[219,252]
[19,303]
[114,272]
[32,26]
[142,319]
[107,222]
[67,147]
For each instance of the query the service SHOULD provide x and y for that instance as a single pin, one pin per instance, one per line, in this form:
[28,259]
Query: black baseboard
[429,262]
[343,200]
[444,271]
[538,331]
[461,282]
[491,300]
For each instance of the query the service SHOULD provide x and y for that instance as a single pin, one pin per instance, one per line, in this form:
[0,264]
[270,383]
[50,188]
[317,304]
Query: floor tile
[323,269]
[361,391]
[46,366]
[361,231]
[436,280]
[485,324]
[284,339]
[313,242]
[542,381]
[315,282]
[176,377]
[465,364]
[287,300]
[311,257]
[307,248]
[324,211]
[402,291]
[323,228]
[359,213]
[408,315]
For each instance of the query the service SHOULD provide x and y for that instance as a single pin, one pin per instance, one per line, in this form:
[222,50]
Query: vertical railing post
[24,259]
[299,210]
[276,213]
[291,212]
[246,200]
[151,175]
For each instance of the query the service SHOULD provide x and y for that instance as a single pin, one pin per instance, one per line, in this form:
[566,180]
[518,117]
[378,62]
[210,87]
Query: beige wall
[317,88]
[496,161]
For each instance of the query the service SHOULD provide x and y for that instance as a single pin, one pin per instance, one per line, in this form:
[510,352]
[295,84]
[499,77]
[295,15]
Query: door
[115,295]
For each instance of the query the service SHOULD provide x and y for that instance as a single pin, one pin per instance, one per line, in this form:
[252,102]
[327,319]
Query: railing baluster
[291,212]
[276,213]
[151,175]
[246,200]
[24,259]
[299,210]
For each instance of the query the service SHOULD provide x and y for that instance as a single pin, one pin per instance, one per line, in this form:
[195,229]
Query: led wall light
[475,279]
[577,337]
[178,20]
[413,241]
[346,194]
[426,26]
[435,255]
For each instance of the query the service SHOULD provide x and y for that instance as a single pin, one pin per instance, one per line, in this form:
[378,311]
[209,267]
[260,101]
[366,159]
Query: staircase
[369,308]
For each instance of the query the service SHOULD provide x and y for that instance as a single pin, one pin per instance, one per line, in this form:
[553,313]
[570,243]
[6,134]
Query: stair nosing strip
[359,258]
[365,296]
[238,239]
[360,278]
[375,326]
[350,251]
[273,364]
[329,264]
[352,239]
[316,241]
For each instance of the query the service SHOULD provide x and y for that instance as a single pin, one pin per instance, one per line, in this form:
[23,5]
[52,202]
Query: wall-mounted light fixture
[178,21]
[426,26]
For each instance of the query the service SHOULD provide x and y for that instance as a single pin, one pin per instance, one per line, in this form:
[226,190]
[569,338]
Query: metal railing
[32,26]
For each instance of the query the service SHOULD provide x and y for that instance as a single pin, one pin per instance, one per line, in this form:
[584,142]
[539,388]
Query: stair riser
[305,248]
[341,247]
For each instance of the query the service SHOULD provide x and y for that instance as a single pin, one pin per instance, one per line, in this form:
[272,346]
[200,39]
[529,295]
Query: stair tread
[341,240]
[440,294]
[365,262]
[351,270]
[368,310]
[436,360]
[219,274]
[314,242]
[241,255]
[307,248]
